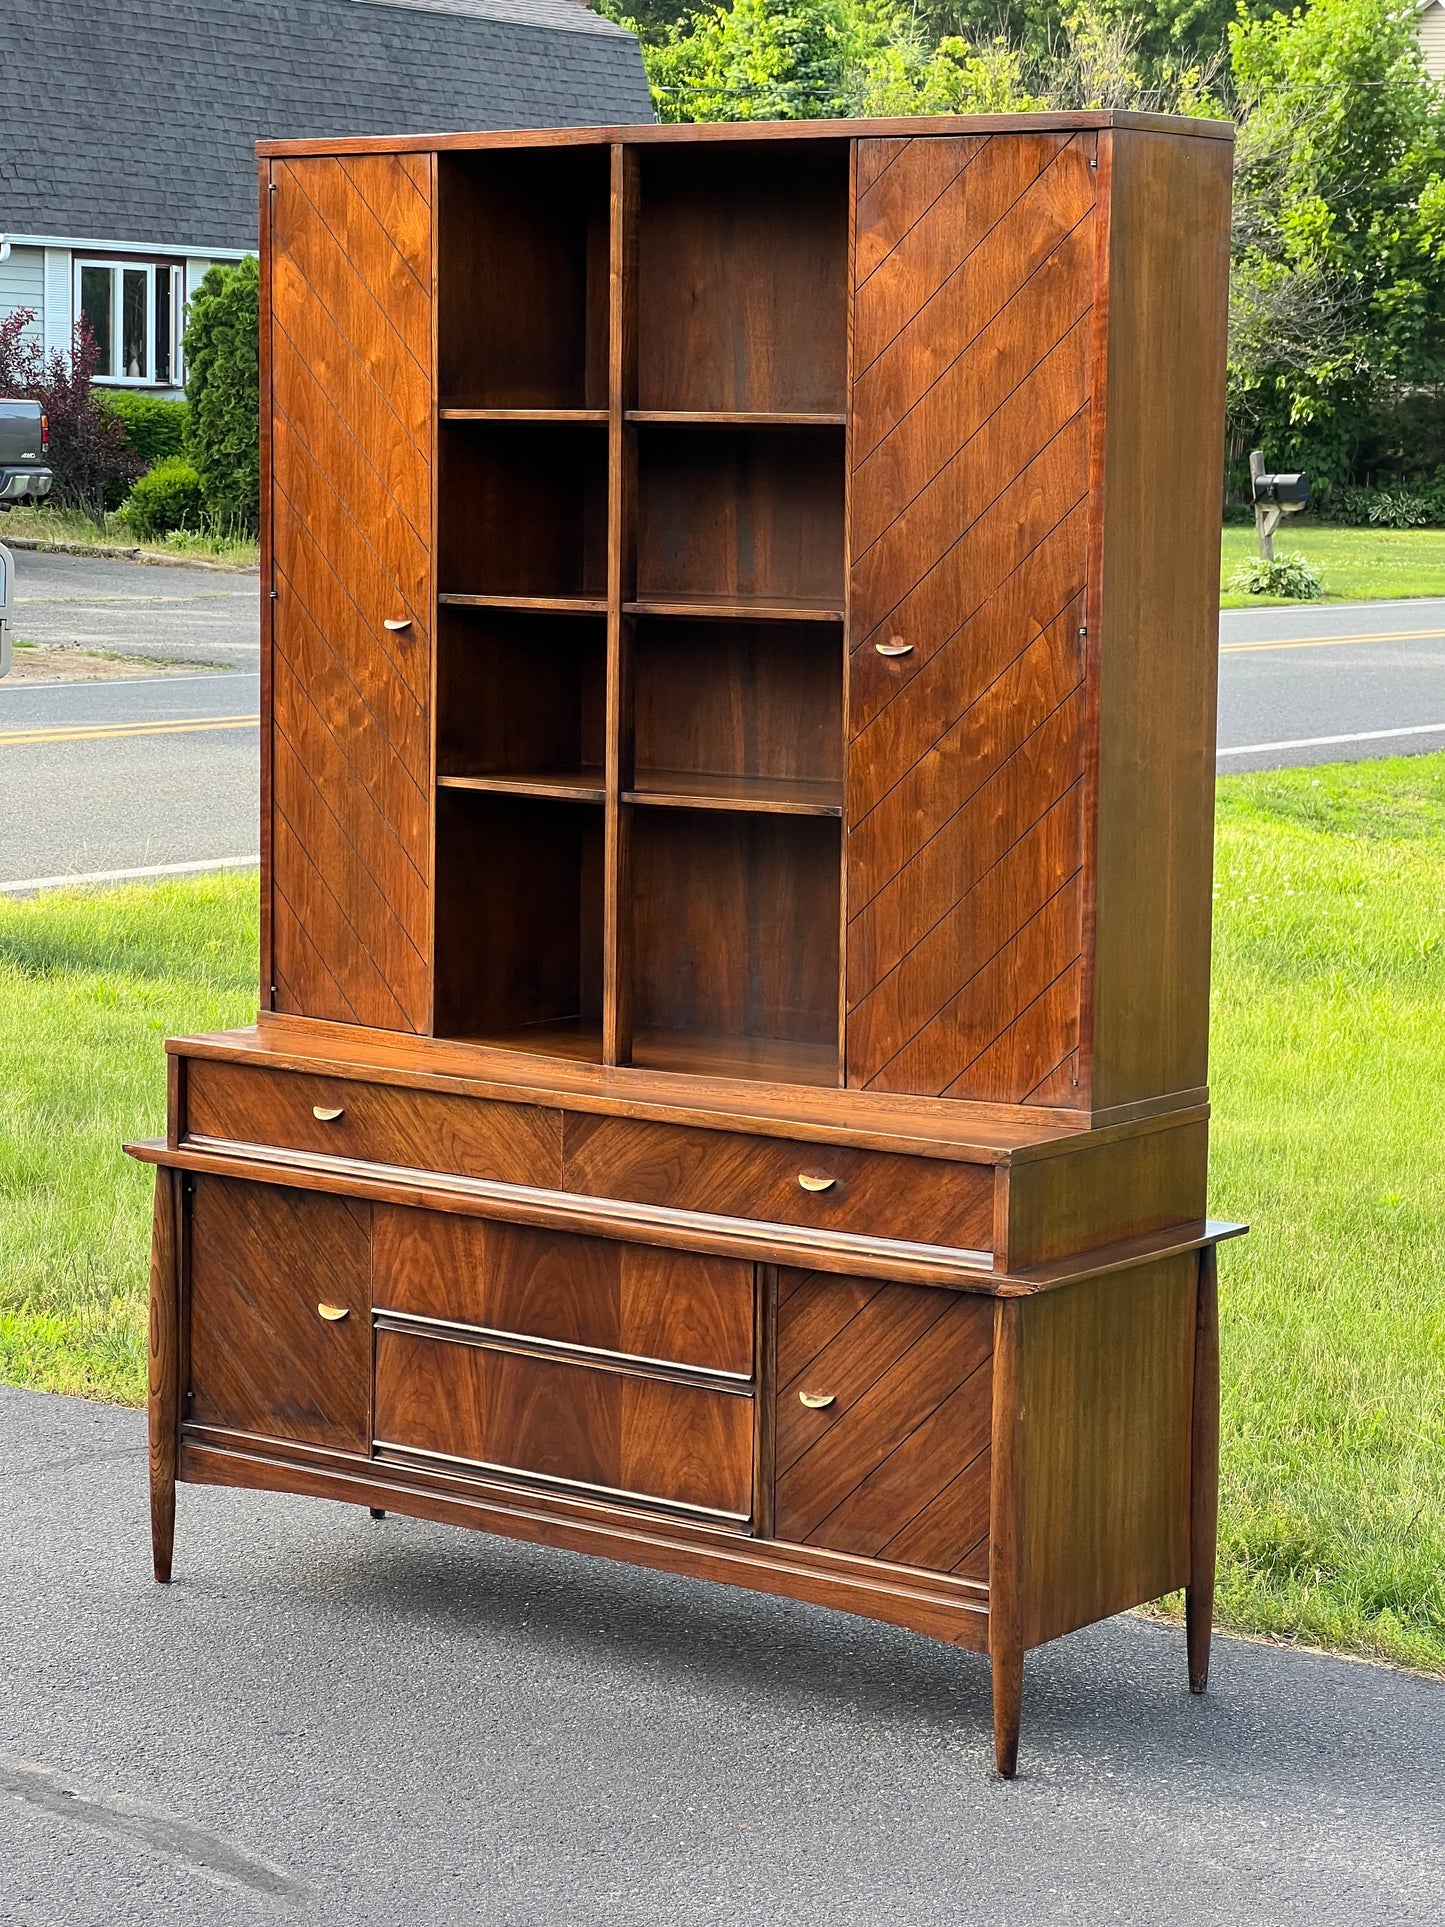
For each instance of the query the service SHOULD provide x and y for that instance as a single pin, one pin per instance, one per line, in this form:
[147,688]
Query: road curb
[113,553]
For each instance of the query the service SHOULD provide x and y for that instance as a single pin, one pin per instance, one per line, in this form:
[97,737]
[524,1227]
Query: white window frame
[117,267]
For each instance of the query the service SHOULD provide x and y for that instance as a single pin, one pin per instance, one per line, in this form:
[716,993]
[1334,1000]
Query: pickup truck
[24,453]
[24,477]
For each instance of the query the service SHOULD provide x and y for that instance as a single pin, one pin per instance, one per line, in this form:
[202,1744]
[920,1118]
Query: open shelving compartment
[642,565]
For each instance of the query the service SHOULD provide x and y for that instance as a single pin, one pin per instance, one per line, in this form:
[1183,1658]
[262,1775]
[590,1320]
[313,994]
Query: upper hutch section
[743,598]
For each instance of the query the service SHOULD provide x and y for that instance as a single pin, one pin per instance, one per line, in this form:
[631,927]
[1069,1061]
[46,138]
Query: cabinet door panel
[895,1465]
[350,506]
[973,367]
[263,1358]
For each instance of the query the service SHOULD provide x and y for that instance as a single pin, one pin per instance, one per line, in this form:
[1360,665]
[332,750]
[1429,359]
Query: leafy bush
[89,455]
[223,433]
[1351,506]
[1288,575]
[1399,508]
[166,497]
[155,426]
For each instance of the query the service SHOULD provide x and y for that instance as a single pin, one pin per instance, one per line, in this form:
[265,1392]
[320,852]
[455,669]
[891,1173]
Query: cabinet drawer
[926,1200]
[618,1298]
[610,1432]
[890,1457]
[279,1320]
[381,1123]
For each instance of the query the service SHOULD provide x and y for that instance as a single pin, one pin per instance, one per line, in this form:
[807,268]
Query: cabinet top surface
[745,131]
[939,1127]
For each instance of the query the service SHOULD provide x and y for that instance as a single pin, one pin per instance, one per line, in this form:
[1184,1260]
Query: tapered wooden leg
[1005,1552]
[164,1374]
[1203,1474]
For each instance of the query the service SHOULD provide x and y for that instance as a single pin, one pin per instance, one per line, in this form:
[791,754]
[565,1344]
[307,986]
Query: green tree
[1338,298]
[223,386]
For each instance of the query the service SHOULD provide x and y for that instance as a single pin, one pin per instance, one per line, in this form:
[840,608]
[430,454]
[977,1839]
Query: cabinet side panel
[974,287]
[1106,1383]
[350,421]
[1168,276]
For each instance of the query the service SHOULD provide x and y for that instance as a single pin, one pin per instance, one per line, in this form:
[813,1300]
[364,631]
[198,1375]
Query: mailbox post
[7,605]
[1275,496]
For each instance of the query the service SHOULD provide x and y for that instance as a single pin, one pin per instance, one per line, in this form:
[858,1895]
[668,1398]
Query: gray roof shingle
[134,120]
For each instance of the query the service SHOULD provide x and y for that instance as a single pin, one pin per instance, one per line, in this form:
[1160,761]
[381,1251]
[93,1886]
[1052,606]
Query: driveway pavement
[333,1720]
[135,609]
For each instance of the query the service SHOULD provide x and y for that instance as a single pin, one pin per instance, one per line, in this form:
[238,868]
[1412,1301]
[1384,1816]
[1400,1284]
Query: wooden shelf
[523,414]
[562,1037]
[681,789]
[573,605]
[576,786]
[741,608]
[724,418]
[769,1059]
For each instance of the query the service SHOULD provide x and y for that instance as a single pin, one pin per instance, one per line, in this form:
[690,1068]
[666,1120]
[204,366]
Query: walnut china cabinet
[738,688]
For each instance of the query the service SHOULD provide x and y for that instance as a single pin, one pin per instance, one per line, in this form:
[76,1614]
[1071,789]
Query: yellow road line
[102,731]
[1330,642]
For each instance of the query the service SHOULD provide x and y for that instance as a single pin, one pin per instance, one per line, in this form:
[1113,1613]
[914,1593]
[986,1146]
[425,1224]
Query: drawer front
[895,1464]
[381,1123]
[926,1200]
[265,1356]
[550,1285]
[608,1431]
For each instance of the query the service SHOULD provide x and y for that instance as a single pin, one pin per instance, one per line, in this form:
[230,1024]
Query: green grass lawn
[1329,1068]
[1356,565]
[71,525]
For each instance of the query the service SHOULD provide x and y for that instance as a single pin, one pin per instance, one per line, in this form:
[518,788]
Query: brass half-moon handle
[396,624]
[816,1401]
[328,1114]
[815,1181]
[333,1314]
[895,646]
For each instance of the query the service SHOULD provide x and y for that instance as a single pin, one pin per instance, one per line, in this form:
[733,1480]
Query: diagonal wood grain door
[350,500]
[972,364]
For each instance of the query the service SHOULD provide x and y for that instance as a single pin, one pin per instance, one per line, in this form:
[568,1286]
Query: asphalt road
[105,794]
[1330,684]
[106,779]
[333,1720]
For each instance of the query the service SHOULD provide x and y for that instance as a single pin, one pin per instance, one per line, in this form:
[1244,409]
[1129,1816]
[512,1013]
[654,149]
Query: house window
[134,312]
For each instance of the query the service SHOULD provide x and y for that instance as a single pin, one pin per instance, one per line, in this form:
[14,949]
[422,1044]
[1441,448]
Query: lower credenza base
[989,1470]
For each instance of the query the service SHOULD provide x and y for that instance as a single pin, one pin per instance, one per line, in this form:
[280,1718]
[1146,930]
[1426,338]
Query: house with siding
[126,167]
[1430,30]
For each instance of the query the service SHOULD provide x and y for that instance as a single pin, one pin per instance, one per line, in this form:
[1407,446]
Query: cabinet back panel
[736,924]
[742,280]
[349,758]
[519,913]
[739,699]
[522,279]
[522,509]
[966,757]
[519,692]
[740,512]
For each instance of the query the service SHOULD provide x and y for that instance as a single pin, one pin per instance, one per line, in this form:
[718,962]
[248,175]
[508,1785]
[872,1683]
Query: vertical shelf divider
[617,971]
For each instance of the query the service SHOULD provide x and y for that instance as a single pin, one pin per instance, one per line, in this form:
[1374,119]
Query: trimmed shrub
[166,497]
[155,426]
[1287,575]
[223,434]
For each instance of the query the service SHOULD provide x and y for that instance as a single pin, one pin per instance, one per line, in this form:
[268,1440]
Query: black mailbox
[1284,491]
